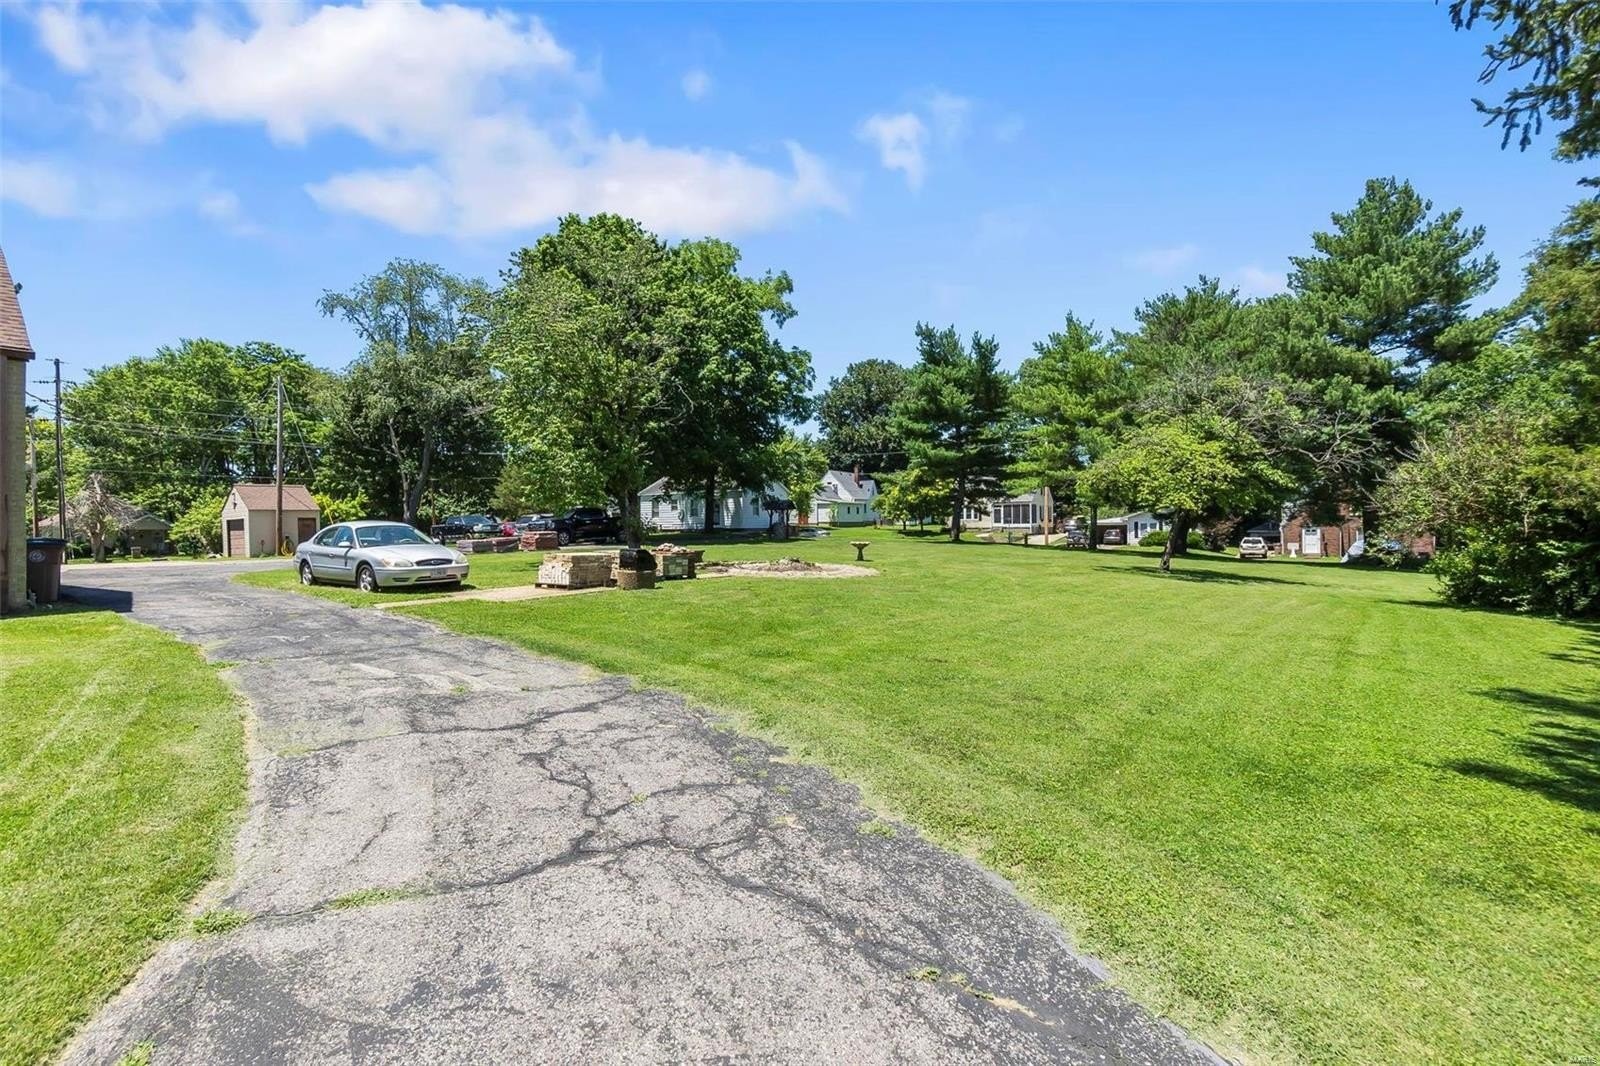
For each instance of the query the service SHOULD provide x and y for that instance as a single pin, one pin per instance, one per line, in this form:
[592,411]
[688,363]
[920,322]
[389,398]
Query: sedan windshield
[390,533]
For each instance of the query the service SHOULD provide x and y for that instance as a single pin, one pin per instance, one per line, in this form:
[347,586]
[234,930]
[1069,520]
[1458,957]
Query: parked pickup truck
[582,523]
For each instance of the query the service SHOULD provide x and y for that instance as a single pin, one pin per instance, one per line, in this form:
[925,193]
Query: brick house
[15,352]
[1305,537]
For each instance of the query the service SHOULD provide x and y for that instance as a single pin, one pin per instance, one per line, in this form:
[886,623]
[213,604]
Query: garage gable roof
[265,497]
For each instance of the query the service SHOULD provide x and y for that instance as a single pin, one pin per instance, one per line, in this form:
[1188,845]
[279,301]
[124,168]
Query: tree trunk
[414,497]
[710,524]
[955,515]
[1177,539]
[97,544]
[630,517]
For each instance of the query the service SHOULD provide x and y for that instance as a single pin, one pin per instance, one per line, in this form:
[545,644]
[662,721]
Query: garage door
[236,536]
[305,529]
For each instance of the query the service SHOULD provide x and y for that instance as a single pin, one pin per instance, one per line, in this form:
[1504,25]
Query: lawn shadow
[1181,573]
[1564,737]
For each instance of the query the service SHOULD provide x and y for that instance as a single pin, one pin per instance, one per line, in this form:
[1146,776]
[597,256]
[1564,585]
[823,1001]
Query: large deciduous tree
[954,417]
[739,384]
[1393,281]
[162,430]
[856,413]
[415,410]
[1192,468]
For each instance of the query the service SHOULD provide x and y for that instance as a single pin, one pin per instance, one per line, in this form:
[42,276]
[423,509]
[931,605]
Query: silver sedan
[378,555]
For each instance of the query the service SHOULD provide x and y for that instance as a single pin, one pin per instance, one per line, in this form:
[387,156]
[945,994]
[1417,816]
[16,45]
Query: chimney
[858,475]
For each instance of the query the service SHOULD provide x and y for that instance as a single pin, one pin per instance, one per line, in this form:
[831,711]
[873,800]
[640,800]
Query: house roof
[13,331]
[257,497]
[658,487]
[847,489]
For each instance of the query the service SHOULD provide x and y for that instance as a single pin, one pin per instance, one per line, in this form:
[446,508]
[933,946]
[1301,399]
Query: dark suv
[585,523]
[465,525]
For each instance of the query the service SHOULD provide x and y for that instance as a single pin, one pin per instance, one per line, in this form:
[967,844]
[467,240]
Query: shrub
[1157,538]
[199,529]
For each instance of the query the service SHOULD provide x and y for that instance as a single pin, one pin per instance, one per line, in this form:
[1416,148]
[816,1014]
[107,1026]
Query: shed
[247,519]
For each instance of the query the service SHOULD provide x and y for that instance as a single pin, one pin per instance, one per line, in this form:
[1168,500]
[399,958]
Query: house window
[755,505]
[655,507]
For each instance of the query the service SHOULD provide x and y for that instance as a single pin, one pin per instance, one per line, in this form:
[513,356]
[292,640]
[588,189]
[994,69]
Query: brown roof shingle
[265,497]
[13,331]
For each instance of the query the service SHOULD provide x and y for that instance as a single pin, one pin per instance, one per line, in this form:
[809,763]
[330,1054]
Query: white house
[679,509]
[1129,528]
[247,519]
[1024,513]
[845,499]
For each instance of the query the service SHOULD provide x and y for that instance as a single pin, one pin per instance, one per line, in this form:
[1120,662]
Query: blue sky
[176,172]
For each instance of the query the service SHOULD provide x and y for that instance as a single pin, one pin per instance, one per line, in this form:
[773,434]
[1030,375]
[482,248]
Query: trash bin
[45,556]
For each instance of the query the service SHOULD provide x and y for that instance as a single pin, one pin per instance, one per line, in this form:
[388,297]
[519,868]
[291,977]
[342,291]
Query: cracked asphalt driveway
[459,852]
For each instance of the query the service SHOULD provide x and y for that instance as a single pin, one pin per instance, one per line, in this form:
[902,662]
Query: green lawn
[1306,811]
[121,774]
[485,572]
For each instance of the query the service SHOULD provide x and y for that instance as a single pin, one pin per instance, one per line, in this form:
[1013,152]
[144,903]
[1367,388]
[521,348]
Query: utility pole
[33,469]
[277,515]
[61,463]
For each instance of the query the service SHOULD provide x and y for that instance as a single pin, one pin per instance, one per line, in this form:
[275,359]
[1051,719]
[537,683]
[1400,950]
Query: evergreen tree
[954,417]
[1393,281]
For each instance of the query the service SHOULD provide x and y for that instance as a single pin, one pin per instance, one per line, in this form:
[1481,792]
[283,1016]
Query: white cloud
[901,140]
[222,207]
[1009,129]
[1258,281]
[1165,260]
[460,97]
[43,187]
[696,84]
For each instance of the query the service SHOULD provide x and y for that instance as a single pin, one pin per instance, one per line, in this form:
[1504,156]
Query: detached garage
[247,519]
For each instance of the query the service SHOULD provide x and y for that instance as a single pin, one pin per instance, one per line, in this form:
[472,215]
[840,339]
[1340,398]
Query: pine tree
[954,417]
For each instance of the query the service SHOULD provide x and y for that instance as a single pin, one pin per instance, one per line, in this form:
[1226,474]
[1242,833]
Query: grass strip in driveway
[122,769]
[1306,810]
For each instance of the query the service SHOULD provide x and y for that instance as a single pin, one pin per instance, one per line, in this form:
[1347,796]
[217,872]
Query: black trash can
[45,558]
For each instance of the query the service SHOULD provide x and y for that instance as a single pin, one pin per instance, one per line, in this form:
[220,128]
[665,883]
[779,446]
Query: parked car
[1253,548]
[586,523]
[466,525]
[528,523]
[1077,538]
[377,555]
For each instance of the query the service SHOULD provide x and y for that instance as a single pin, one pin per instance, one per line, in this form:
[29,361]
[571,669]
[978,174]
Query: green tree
[1560,321]
[198,530]
[1191,468]
[739,382]
[954,417]
[1393,281]
[162,430]
[415,410]
[1517,519]
[590,342]
[798,462]
[1070,401]
[913,495]
[856,413]
[1558,43]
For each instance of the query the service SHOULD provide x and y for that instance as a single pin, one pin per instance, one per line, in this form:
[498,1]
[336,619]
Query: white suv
[1252,548]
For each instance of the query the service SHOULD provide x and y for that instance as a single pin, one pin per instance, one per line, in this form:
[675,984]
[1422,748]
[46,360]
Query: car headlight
[393,562]
[459,558]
